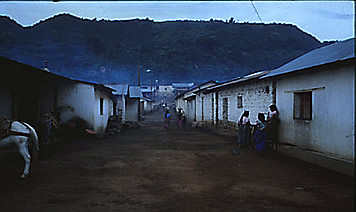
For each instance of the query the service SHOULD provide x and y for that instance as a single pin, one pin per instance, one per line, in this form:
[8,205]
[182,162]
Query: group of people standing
[262,131]
[181,120]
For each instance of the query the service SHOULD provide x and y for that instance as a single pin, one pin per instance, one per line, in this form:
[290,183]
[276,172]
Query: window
[239,102]
[267,89]
[303,106]
[101,106]
[225,108]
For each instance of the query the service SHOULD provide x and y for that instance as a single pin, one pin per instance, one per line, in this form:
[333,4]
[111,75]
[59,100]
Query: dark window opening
[239,102]
[267,89]
[101,106]
[303,106]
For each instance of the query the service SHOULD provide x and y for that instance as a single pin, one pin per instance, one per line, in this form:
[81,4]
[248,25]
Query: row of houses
[27,92]
[315,96]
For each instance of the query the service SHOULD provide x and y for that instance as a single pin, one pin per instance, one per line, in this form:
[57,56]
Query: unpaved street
[153,169]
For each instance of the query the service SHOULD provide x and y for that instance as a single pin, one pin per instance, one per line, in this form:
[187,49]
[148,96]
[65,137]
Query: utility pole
[139,87]
[138,72]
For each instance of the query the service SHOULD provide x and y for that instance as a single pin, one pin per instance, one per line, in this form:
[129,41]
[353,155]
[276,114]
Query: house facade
[120,100]
[316,100]
[181,87]
[187,101]
[147,105]
[133,111]
[89,101]
[222,105]
[27,92]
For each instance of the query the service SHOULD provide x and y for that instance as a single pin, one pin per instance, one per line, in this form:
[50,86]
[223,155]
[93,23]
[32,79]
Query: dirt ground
[153,169]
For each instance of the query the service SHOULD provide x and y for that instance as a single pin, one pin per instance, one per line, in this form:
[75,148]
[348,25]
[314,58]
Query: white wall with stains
[331,129]
[256,98]
[101,119]
[83,100]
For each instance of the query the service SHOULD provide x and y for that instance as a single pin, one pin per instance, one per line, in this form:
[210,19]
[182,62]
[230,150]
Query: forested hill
[177,51]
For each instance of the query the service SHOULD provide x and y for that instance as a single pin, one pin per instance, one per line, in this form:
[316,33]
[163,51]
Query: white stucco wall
[255,99]
[101,120]
[190,110]
[165,91]
[131,110]
[180,103]
[331,129]
[78,96]
[121,104]
[193,107]
[147,106]
[205,108]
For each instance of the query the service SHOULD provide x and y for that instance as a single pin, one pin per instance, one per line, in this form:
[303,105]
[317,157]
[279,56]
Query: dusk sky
[325,20]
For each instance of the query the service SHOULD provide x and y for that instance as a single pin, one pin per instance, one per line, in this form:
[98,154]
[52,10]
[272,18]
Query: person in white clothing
[244,130]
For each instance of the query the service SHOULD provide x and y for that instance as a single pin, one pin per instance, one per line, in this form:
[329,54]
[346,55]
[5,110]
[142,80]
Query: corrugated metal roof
[239,80]
[119,88]
[196,88]
[146,90]
[182,84]
[135,92]
[328,54]
[190,97]
[147,99]
[50,75]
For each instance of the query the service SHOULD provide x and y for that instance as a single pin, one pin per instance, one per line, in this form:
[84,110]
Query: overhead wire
[256,11]
[105,14]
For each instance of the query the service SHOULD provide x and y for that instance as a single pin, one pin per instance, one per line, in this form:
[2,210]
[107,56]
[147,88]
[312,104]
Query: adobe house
[224,103]
[120,100]
[92,102]
[181,87]
[187,101]
[133,112]
[147,105]
[316,101]
[27,92]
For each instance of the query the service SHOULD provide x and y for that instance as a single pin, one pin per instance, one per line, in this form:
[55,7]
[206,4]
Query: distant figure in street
[260,136]
[184,121]
[180,118]
[167,119]
[244,130]
[194,123]
[272,126]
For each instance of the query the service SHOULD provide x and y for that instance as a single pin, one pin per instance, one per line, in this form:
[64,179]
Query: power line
[105,14]
[256,11]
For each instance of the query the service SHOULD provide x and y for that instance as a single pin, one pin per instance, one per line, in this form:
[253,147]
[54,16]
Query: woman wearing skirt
[260,136]
[244,130]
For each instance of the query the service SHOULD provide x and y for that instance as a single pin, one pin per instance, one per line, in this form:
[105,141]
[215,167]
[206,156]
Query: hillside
[109,51]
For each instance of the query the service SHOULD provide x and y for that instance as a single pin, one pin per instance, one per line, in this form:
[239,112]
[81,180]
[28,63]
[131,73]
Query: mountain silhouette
[175,51]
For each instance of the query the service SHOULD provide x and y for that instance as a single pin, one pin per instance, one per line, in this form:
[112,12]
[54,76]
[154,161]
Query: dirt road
[153,169]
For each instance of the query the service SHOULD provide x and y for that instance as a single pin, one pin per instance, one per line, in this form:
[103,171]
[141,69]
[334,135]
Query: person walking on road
[260,136]
[167,118]
[180,118]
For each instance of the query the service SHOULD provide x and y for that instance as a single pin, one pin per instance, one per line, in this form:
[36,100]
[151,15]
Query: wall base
[337,164]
